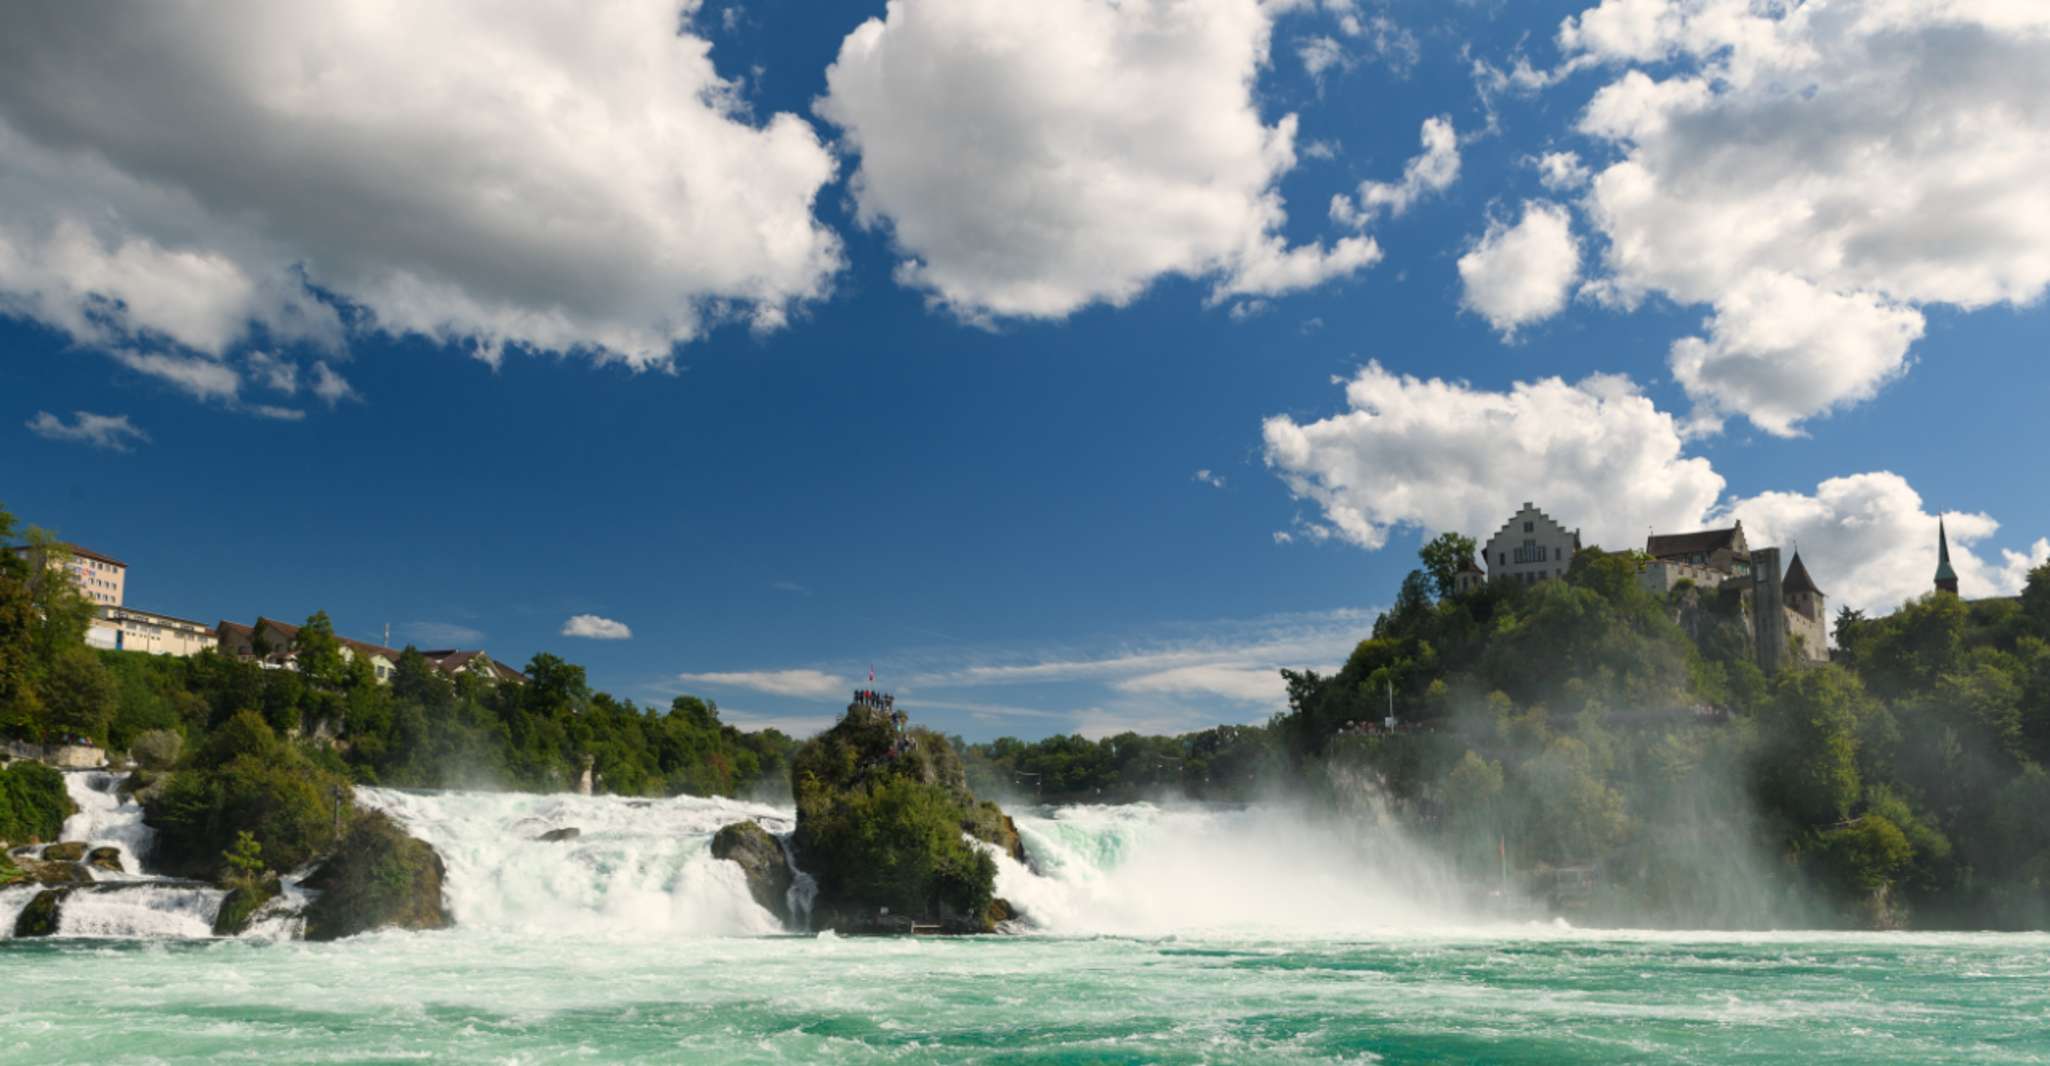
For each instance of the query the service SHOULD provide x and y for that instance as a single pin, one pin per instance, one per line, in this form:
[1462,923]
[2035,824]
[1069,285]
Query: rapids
[1158,934]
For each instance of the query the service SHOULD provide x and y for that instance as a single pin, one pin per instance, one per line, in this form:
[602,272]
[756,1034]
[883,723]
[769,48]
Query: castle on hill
[1784,611]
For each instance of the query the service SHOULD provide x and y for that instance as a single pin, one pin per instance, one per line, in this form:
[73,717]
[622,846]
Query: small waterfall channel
[113,896]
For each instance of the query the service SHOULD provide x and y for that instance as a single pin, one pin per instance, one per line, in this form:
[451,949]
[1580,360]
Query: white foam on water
[12,900]
[106,819]
[1149,870]
[638,867]
[140,911]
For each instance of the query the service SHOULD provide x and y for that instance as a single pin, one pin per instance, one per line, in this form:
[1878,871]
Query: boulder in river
[241,903]
[69,851]
[760,857]
[557,836]
[105,859]
[379,878]
[39,918]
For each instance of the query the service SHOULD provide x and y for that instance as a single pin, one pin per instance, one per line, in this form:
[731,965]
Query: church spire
[1946,578]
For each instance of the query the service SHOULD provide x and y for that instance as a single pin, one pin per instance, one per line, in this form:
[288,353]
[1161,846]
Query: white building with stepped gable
[1530,547]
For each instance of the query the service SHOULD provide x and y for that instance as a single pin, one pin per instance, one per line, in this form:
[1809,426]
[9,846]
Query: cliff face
[881,810]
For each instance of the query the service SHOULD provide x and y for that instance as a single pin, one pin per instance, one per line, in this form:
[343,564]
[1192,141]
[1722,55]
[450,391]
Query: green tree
[1443,557]
[319,652]
[1809,771]
[243,862]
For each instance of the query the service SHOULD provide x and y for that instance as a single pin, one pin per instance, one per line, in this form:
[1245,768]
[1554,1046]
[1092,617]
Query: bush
[157,749]
[244,780]
[33,803]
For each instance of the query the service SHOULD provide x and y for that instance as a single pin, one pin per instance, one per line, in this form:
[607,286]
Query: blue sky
[584,326]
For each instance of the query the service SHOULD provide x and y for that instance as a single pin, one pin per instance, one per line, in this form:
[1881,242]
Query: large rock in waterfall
[40,917]
[69,851]
[378,878]
[760,856]
[241,904]
[882,810]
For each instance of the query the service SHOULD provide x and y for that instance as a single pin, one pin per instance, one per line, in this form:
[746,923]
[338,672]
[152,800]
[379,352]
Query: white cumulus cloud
[595,628]
[1442,455]
[1516,275]
[115,433]
[572,177]
[1030,159]
[1779,349]
[1870,542]
[330,386]
[1436,455]
[1816,173]
[1431,171]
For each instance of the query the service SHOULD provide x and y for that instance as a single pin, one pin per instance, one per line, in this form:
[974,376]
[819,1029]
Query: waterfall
[130,904]
[141,910]
[107,819]
[1270,870]
[636,868]
[12,900]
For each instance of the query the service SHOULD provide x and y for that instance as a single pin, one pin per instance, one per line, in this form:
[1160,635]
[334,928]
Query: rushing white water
[643,868]
[129,904]
[1273,870]
[107,819]
[12,900]
[638,868]
[140,911]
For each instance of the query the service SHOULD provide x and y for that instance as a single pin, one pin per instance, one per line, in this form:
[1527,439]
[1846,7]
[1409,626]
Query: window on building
[1529,527]
[1558,554]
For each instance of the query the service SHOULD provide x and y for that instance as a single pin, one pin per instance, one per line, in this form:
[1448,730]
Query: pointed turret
[1800,591]
[1946,578]
[1797,579]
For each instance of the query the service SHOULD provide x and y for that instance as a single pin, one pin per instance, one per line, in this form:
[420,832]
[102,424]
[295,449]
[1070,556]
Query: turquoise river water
[1164,936]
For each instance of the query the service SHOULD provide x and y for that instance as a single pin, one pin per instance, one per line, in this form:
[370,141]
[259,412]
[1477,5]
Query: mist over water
[1268,869]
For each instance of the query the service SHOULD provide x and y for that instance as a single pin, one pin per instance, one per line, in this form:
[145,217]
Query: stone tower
[1807,613]
[1768,609]
[1946,578]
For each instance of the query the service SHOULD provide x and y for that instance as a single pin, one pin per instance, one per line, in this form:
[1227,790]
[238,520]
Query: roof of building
[76,550]
[452,661]
[1534,509]
[1797,579]
[1468,566]
[362,647]
[1943,570]
[1700,542]
[104,611]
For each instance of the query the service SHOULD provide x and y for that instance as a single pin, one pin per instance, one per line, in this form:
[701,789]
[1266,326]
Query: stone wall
[61,756]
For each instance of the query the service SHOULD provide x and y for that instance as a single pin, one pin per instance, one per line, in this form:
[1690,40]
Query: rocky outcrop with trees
[882,817]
